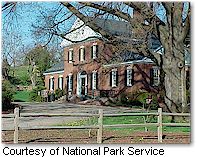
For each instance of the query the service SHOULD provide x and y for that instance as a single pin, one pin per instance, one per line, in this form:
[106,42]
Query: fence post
[16,124]
[100,124]
[159,129]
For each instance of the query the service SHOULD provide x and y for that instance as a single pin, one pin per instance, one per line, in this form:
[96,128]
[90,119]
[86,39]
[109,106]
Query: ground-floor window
[155,76]
[114,78]
[129,76]
[94,80]
[51,83]
[60,82]
[70,82]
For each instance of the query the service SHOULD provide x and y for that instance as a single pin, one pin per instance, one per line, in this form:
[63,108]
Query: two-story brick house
[92,69]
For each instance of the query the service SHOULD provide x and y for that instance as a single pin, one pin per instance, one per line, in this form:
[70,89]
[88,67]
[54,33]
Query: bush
[123,98]
[8,91]
[58,93]
[35,94]
[138,99]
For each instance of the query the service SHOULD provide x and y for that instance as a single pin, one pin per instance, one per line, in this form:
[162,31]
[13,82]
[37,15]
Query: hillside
[21,76]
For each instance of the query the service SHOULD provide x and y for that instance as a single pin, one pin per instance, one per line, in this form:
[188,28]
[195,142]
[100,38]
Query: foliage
[58,93]
[7,94]
[39,56]
[35,94]
[21,76]
[138,99]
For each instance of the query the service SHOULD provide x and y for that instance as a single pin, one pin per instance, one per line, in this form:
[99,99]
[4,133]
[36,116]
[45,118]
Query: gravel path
[33,108]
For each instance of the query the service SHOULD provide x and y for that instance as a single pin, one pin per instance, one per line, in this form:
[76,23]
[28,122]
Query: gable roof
[114,27]
[58,67]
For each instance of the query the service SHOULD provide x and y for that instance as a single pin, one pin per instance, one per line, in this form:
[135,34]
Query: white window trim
[129,77]
[114,77]
[70,60]
[94,83]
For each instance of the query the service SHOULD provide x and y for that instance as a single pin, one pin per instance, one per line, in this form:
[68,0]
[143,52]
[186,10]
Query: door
[83,85]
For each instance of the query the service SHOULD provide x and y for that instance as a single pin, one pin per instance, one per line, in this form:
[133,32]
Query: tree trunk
[174,81]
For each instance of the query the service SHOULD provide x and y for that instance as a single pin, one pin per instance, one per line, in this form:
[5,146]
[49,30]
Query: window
[51,83]
[60,82]
[82,53]
[155,72]
[70,82]
[94,80]
[70,56]
[94,51]
[114,78]
[129,76]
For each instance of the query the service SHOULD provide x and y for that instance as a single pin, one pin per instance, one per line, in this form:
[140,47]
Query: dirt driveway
[55,107]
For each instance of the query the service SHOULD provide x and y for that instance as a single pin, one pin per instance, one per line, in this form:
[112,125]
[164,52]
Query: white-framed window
[129,76]
[155,76]
[70,55]
[82,53]
[114,77]
[60,82]
[51,83]
[70,82]
[94,80]
[94,50]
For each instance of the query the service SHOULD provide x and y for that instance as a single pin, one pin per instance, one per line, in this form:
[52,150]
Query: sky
[26,16]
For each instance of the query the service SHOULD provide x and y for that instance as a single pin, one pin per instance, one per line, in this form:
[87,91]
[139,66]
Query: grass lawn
[22,96]
[132,120]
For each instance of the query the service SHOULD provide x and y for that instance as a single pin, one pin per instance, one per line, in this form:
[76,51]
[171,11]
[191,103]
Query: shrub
[123,98]
[138,99]
[58,93]
[35,94]
[8,91]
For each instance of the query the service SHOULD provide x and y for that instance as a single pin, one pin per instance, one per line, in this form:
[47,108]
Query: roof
[114,27]
[55,68]
[128,57]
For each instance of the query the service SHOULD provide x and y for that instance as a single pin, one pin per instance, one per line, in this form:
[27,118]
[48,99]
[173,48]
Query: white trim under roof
[145,61]
[55,72]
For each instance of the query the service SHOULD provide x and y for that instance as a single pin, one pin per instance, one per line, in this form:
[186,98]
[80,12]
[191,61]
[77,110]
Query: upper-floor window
[155,74]
[94,51]
[82,53]
[114,78]
[129,76]
[70,56]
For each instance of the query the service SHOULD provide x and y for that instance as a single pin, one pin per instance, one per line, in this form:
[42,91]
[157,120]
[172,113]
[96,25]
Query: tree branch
[88,21]
[115,12]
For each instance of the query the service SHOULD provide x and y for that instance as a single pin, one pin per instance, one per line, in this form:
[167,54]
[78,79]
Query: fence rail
[100,125]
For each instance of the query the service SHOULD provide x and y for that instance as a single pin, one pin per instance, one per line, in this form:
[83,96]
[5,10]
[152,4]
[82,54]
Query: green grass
[22,96]
[131,120]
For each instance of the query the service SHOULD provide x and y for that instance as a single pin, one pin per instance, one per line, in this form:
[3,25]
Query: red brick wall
[141,71]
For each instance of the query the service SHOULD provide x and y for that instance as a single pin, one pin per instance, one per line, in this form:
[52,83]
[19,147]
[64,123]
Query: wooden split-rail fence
[100,124]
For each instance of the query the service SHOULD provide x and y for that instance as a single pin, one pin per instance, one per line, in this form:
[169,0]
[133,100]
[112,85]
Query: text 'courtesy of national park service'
[79,151]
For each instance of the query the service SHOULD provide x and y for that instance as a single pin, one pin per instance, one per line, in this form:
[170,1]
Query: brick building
[90,67]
